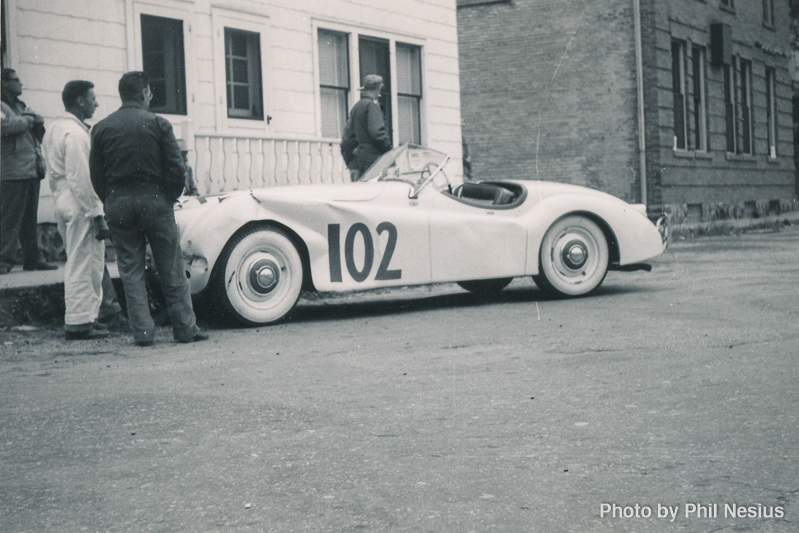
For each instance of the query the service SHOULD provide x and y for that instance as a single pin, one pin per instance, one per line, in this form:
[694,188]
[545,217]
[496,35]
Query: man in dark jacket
[21,174]
[365,137]
[137,172]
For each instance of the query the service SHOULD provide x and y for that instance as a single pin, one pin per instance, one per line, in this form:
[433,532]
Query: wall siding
[53,42]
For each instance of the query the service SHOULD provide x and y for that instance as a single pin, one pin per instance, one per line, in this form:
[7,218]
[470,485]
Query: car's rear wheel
[574,257]
[485,286]
[259,274]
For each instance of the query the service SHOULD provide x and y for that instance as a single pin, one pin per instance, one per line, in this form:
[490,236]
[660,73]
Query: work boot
[86,335]
[197,338]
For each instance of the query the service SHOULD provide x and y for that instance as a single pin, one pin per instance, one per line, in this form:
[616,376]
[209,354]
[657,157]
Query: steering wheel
[429,168]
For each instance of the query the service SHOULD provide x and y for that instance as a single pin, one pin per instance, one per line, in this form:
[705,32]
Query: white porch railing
[224,163]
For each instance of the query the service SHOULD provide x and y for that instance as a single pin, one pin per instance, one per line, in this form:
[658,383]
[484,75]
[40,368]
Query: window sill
[692,154]
[746,158]
[769,26]
[773,161]
[727,9]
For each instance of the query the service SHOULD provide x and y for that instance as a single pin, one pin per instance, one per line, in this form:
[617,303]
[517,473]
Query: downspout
[639,79]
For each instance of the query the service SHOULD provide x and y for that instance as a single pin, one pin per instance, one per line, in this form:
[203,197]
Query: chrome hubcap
[264,276]
[575,254]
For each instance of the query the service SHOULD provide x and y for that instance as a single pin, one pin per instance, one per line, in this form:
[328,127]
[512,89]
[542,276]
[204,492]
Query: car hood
[344,192]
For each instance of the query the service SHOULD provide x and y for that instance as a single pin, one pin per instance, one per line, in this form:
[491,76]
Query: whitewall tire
[259,276]
[574,257]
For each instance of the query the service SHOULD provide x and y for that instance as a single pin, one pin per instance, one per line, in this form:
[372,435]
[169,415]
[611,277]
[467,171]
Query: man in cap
[365,137]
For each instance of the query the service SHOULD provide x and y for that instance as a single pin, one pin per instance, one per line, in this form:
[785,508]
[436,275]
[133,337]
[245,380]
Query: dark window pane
[240,71]
[163,60]
[678,88]
[729,108]
[241,97]
[375,59]
[239,45]
[159,94]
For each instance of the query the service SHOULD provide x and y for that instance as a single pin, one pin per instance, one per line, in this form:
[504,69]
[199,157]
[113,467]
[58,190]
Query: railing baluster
[225,163]
[257,169]
[218,166]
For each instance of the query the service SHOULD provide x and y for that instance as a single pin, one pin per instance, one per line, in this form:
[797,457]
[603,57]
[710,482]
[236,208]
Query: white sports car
[403,223]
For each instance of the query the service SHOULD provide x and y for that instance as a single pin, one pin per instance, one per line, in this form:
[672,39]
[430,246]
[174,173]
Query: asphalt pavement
[665,402]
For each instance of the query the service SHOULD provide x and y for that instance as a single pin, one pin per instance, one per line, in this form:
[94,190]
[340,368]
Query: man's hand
[101,228]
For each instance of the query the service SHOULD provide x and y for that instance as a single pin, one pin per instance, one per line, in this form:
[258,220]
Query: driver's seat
[485,191]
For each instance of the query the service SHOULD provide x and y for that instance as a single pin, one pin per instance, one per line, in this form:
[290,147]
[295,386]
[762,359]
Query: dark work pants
[19,203]
[134,220]
[110,304]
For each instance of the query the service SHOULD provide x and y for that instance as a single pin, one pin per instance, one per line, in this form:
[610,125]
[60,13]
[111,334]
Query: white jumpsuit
[66,150]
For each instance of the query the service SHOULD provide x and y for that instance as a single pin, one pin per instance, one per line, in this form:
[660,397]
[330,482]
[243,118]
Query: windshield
[409,163]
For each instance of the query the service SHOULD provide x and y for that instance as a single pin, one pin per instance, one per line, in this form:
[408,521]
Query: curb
[732,226]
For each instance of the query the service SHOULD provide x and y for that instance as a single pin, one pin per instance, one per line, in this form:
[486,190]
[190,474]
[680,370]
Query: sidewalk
[19,279]
[36,297]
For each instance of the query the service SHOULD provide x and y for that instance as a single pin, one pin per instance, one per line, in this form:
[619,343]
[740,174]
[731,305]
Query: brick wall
[691,177]
[548,92]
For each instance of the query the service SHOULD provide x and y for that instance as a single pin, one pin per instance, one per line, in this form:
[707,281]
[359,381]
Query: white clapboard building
[259,90]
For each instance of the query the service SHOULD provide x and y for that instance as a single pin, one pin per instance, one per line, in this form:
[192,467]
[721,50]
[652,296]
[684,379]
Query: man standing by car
[137,171]
[365,137]
[22,170]
[79,212]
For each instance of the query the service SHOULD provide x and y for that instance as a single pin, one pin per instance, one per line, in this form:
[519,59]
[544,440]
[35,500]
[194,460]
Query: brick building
[571,92]
[258,89]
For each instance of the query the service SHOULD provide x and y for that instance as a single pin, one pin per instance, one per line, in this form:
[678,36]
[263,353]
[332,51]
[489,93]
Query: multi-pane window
[409,93]
[729,107]
[771,111]
[678,90]
[699,108]
[738,105]
[334,81]
[398,63]
[243,74]
[163,59]
[745,90]
[768,11]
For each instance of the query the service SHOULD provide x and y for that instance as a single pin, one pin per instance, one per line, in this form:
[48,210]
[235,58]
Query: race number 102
[359,275]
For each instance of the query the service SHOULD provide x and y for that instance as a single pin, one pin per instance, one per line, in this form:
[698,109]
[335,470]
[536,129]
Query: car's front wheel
[573,259]
[259,276]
